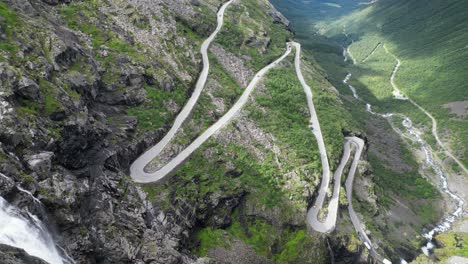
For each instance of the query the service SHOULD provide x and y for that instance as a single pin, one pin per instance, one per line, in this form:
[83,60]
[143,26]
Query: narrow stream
[446,224]
[416,136]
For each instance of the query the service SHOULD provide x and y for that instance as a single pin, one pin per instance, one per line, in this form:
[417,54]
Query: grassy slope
[372,83]
[430,41]
[284,115]
[452,244]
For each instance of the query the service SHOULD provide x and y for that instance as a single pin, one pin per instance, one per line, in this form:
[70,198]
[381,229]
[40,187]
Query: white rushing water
[28,232]
[353,90]
[345,56]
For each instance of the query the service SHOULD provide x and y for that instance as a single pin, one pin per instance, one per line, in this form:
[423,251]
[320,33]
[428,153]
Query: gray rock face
[6,185]
[72,142]
[40,163]
[29,89]
[11,255]
[56,2]
[234,65]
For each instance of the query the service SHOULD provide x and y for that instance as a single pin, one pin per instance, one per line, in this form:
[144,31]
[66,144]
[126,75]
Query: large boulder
[12,255]
[29,89]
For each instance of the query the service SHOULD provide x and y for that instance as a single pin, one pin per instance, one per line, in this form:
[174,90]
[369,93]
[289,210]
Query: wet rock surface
[11,255]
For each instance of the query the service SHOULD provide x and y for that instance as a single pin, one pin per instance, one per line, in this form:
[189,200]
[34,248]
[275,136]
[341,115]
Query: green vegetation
[79,16]
[211,177]
[210,238]
[28,107]
[410,185]
[255,232]
[8,21]
[304,14]
[223,87]
[452,244]
[281,110]
[287,246]
[153,114]
[431,47]
[242,34]
[50,92]
[431,43]
[75,14]
[295,242]
[287,117]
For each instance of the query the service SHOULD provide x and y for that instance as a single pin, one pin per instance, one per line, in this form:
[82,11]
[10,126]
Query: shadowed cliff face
[87,86]
[71,73]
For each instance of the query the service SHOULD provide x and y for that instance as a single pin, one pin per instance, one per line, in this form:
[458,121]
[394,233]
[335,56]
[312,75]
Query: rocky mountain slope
[88,85]
[71,75]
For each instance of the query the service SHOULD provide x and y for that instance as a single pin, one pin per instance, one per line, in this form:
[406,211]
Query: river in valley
[416,136]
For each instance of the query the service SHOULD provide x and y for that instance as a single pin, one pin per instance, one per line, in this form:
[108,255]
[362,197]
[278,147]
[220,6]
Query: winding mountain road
[140,175]
[359,145]
[137,169]
[312,215]
[399,95]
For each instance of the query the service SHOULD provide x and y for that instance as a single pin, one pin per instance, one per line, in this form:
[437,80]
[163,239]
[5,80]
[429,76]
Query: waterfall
[28,233]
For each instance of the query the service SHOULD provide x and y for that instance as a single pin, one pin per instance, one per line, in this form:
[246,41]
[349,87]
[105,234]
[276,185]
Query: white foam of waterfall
[26,232]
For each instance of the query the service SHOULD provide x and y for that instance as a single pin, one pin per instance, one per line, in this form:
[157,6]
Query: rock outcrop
[11,255]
